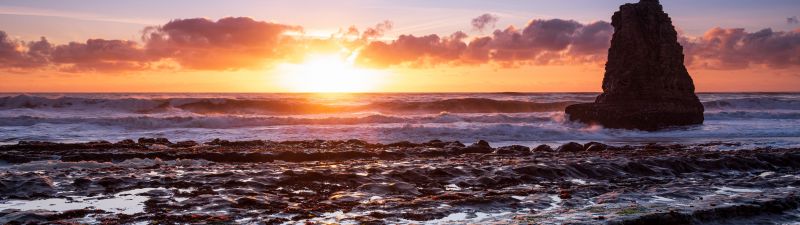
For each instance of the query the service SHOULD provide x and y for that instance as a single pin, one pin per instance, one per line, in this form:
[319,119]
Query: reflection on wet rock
[436,182]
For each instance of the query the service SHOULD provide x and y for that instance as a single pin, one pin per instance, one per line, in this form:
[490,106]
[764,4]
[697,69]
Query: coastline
[352,181]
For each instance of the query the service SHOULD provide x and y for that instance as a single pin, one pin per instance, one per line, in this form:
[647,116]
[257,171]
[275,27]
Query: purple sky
[63,21]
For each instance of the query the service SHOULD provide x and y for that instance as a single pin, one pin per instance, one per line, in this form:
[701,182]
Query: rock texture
[646,85]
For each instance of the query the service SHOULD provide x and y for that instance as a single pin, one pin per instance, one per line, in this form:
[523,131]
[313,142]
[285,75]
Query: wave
[757,103]
[275,106]
[749,115]
[225,122]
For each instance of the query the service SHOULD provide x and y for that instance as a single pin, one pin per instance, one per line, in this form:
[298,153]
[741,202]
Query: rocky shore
[355,182]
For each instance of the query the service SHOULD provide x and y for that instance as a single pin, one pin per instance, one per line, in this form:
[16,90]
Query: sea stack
[646,85]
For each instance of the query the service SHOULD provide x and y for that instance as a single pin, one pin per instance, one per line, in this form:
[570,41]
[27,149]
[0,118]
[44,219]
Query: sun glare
[328,73]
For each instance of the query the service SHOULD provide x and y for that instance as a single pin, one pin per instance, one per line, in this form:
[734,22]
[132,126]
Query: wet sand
[354,182]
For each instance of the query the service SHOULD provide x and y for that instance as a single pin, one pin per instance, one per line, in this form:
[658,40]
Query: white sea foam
[530,118]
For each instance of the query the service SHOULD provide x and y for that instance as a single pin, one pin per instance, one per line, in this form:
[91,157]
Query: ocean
[750,119]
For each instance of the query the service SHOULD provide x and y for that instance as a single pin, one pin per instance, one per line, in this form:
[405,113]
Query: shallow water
[126,202]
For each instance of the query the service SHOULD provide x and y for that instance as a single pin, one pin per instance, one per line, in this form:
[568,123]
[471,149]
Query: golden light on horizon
[329,74]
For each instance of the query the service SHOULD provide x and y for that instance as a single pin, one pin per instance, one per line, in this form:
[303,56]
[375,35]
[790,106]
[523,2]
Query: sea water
[751,119]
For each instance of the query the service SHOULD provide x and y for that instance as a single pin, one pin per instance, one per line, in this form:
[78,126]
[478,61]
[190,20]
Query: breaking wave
[758,103]
[275,106]
[223,122]
[507,117]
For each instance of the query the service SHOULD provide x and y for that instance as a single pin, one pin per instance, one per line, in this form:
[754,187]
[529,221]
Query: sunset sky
[375,46]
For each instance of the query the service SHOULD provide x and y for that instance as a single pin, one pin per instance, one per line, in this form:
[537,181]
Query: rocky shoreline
[355,182]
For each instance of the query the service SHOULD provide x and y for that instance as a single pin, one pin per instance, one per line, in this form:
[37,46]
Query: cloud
[234,43]
[97,55]
[101,55]
[484,21]
[723,48]
[228,43]
[792,20]
[20,55]
[557,41]
[418,50]
[378,30]
[200,44]
[540,42]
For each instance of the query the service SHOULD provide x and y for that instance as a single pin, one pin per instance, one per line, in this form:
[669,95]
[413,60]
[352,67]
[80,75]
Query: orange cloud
[738,49]
[228,43]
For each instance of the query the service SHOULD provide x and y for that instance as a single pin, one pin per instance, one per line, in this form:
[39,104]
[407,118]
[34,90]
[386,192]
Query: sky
[374,45]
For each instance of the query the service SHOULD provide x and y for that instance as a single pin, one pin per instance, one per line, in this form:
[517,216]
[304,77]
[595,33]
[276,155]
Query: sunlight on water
[504,118]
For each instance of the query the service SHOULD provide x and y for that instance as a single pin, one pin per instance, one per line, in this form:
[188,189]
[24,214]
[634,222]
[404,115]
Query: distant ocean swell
[301,106]
[275,106]
[220,122]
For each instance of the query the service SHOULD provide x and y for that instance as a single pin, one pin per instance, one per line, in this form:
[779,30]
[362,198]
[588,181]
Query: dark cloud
[20,55]
[228,43]
[101,55]
[423,50]
[484,21]
[792,20]
[540,42]
[737,49]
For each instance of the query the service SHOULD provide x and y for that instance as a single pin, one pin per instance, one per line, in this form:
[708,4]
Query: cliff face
[646,85]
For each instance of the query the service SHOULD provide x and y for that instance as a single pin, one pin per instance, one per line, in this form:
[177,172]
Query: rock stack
[646,85]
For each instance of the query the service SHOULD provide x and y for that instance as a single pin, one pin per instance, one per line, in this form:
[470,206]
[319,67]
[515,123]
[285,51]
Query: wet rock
[81,182]
[482,143]
[610,197]
[646,85]
[412,176]
[72,214]
[313,187]
[419,216]
[241,144]
[152,141]
[436,143]
[570,147]
[257,203]
[565,194]
[217,141]
[356,142]
[595,146]
[402,144]
[276,221]
[543,148]
[478,147]
[25,186]
[110,183]
[184,144]
[455,144]
[126,142]
[513,150]
[398,188]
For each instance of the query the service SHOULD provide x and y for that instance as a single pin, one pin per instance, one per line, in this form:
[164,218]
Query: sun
[328,74]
